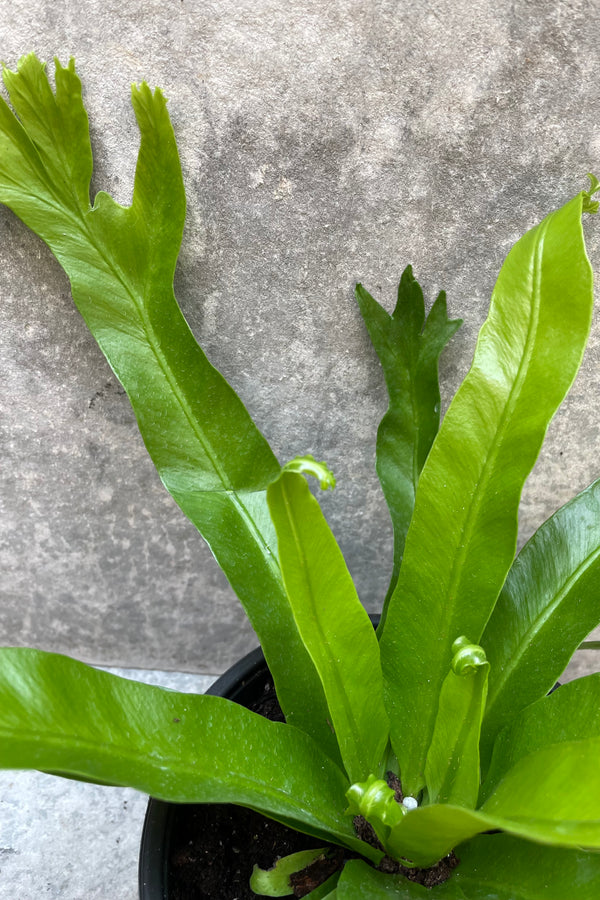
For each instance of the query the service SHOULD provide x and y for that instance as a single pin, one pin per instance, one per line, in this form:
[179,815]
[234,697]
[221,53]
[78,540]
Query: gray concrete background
[322,143]
[62,838]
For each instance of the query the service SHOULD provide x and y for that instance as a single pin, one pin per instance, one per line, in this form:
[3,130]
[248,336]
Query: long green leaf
[549,603]
[492,867]
[502,867]
[359,881]
[571,713]
[452,766]
[554,791]
[408,347]
[428,833]
[332,623]
[60,715]
[462,536]
[120,262]
[550,797]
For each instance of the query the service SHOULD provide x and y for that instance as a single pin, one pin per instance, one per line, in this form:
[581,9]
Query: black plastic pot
[244,683]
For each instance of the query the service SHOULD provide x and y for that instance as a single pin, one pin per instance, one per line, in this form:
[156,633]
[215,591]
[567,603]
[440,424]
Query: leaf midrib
[164,762]
[537,624]
[474,507]
[78,219]
[323,643]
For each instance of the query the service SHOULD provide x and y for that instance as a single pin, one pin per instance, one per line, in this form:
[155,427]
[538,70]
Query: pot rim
[154,855]
[154,848]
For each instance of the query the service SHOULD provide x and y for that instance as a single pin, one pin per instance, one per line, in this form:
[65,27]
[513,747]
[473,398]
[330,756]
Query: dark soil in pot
[214,847]
[207,851]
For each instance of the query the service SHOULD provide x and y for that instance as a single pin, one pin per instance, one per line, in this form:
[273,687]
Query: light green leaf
[551,796]
[408,347]
[462,536]
[501,867]
[452,767]
[359,881]
[554,792]
[120,262]
[276,882]
[571,713]
[549,603]
[60,715]
[429,833]
[332,623]
[492,867]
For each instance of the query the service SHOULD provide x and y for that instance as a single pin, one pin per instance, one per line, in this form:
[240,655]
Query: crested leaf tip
[589,205]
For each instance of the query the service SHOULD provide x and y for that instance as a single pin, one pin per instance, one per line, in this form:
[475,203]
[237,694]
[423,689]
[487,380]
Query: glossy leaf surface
[551,796]
[408,347]
[60,715]
[462,536]
[452,767]
[429,833]
[501,867]
[492,867]
[359,881]
[332,623]
[120,262]
[570,713]
[556,784]
[549,603]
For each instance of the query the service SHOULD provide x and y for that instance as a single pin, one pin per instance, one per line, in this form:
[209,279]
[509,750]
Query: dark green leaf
[60,715]
[549,603]
[571,713]
[409,348]
[462,536]
[332,623]
[120,262]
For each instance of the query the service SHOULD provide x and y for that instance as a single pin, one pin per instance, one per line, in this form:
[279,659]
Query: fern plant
[431,742]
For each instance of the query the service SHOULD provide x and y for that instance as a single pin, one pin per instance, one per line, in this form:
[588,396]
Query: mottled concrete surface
[60,838]
[321,143]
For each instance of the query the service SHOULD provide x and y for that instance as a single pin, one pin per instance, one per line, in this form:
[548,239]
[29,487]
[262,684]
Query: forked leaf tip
[144,92]
[589,205]
[70,66]
[308,465]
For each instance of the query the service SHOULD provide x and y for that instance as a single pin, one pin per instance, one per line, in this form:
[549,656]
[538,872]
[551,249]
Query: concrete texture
[321,144]
[60,838]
